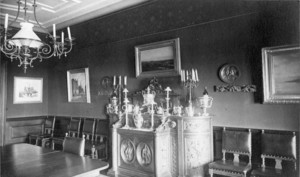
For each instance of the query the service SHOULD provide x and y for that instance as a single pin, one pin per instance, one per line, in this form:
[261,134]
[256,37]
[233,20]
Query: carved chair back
[89,128]
[102,129]
[48,126]
[74,127]
[279,147]
[238,143]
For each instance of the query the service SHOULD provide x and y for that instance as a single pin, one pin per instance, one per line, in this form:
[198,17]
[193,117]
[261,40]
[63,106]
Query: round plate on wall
[229,73]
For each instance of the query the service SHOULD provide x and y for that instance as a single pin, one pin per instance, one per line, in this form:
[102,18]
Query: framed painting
[79,85]
[158,59]
[281,74]
[28,90]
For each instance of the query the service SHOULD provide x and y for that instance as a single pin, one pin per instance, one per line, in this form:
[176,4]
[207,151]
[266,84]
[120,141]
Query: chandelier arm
[34,14]
[18,13]
[45,52]
[8,48]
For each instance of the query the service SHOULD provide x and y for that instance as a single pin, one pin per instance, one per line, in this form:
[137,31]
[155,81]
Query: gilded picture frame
[78,85]
[281,76]
[28,90]
[158,59]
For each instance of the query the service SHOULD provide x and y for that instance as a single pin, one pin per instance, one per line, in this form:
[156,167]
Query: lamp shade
[26,37]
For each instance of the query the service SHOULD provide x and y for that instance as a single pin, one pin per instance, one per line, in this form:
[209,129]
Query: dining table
[27,160]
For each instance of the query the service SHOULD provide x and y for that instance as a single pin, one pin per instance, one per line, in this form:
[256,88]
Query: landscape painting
[281,74]
[158,59]
[28,90]
[78,85]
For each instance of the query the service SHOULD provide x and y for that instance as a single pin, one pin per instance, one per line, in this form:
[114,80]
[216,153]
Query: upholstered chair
[88,130]
[73,131]
[74,145]
[101,139]
[46,134]
[281,150]
[236,143]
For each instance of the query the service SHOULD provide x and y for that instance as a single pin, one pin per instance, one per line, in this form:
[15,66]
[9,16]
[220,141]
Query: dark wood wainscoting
[17,129]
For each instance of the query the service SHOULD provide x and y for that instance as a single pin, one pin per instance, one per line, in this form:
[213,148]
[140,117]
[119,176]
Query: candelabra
[126,108]
[190,80]
[116,98]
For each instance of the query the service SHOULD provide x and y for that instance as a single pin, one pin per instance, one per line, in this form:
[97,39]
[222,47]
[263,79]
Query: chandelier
[25,46]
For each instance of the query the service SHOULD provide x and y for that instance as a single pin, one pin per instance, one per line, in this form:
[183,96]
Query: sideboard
[178,147]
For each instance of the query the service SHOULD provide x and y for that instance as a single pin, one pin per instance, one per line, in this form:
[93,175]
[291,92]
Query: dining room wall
[211,32]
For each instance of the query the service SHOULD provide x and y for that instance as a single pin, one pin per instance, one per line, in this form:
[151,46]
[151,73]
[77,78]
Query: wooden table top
[26,160]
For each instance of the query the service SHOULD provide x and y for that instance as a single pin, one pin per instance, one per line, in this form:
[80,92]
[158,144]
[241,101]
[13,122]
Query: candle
[6,21]
[125,80]
[183,72]
[69,34]
[193,75]
[187,75]
[120,80]
[197,78]
[114,80]
[62,37]
[54,31]
[181,75]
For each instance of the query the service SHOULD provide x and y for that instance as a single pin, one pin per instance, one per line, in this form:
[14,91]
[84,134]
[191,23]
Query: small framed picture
[281,76]
[28,90]
[158,59]
[79,85]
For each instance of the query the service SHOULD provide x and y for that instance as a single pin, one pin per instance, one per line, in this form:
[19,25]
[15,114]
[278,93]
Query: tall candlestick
[6,21]
[193,75]
[120,80]
[114,80]
[125,80]
[69,34]
[183,72]
[54,30]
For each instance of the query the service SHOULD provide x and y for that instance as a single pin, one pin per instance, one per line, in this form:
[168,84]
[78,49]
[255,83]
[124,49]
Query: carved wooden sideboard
[195,148]
[180,146]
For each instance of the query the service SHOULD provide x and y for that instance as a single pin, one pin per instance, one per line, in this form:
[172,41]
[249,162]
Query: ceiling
[63,13]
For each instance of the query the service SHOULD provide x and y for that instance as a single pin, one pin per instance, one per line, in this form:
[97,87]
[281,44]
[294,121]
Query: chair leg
[53,145]
[211,173]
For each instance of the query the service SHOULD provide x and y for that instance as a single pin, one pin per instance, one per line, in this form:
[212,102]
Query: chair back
[102,130]
[279,147]
[49,126]
[74,127]
[237,143]
[74,145]
[89,128]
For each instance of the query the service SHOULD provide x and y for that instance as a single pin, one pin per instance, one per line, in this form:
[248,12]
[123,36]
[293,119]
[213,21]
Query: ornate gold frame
[158,59]
[281,76]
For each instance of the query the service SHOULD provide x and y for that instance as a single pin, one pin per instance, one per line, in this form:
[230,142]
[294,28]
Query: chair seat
[230,166]
[271,172]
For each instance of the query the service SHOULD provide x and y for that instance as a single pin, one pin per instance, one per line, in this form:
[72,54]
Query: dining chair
[101,139]
[237,143]
[47,132]
[88,130]
[73,131]
[74,145]
[278,148]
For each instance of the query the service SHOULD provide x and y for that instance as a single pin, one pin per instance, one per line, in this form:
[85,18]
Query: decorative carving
[127,151]
[235,88]
[174,154]
[194,157]
[144,155]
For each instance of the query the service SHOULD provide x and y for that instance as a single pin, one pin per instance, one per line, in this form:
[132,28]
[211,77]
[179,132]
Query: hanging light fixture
[26,46]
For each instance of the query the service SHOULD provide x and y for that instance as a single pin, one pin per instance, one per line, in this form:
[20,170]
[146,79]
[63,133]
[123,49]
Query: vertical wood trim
[3,84]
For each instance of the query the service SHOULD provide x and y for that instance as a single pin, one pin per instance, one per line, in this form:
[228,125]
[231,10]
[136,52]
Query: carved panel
[196,155]
[196,126]
[127,151]
[144,154]
[174,148]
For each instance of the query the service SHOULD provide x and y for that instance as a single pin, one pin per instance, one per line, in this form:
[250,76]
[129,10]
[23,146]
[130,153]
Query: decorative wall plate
[229,73]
